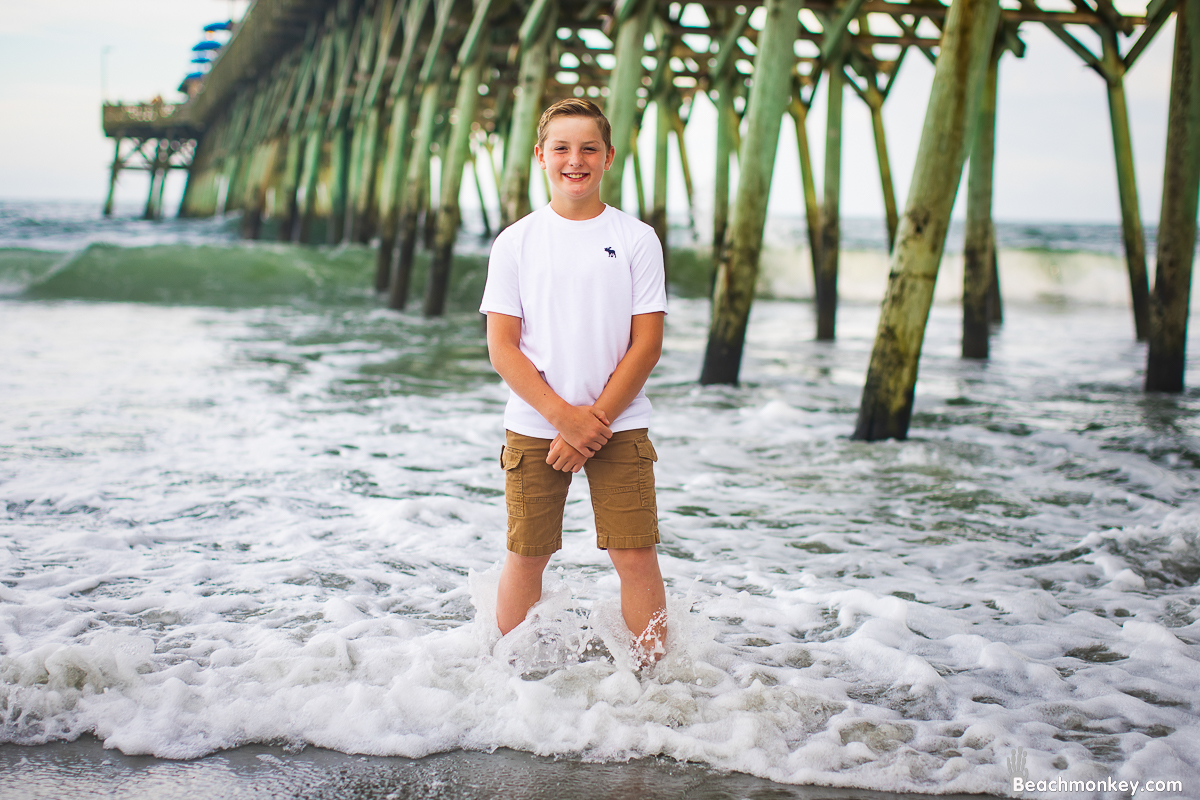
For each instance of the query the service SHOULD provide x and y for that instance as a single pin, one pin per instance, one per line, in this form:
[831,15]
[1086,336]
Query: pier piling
[979,246]
[737,272]
[1131,218]
[622,105]
[966,51]
[536,39]
[1177,222]
[454,160]
[112,180]
[812,211]
[827,272]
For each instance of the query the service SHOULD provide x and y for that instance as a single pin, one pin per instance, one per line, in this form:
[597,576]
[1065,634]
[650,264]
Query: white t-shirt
[575,285]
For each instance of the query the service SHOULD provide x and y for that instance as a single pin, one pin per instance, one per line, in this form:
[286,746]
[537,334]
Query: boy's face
[574,157]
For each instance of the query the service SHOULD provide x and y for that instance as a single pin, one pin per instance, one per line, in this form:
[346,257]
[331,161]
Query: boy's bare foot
[651,645]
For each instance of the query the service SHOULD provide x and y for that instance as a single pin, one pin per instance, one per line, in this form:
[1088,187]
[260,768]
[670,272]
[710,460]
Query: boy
[575,301]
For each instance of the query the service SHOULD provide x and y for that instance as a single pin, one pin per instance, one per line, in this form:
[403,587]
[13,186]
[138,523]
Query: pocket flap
[510,457]
[646,450]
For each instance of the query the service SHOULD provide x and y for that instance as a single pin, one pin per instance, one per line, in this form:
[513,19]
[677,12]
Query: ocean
[244,504]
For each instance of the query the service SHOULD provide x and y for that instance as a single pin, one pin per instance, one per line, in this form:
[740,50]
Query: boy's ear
[539,155]
[612,154]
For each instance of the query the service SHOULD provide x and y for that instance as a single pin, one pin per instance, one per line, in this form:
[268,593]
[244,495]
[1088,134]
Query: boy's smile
[574,159]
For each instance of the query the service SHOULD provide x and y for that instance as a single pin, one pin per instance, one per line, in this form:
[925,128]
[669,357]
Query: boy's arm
[585,428]
[645,348]
[631,374]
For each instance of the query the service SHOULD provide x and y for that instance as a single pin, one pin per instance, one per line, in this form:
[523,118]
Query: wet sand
[84,769]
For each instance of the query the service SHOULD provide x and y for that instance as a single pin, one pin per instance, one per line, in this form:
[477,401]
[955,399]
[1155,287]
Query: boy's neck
[584,208]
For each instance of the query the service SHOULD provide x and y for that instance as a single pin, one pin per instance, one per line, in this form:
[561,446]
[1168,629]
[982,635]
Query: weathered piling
[350,27]
[979,246]
[621,106]
[725,123]
[679,126]
[314,135]
[115,171]
[1177,221]
[812,211]
[1131,218]
[962,62]
[470,63]
[662,143]
[415,196]
[874,98]
[724,89]
[661,90]
[826,273]
[398,142]
[434,73]
[737,272]
[483,201]
[156,176]
[535,39]
[639,186]
[365,113]
[257,171]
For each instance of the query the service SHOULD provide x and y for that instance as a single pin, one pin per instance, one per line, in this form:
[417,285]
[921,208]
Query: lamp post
[104,51]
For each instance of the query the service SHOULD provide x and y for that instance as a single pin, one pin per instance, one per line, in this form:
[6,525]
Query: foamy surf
[227,526]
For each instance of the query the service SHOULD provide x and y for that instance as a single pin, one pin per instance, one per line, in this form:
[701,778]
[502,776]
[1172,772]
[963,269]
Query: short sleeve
[649,276]
[502,292]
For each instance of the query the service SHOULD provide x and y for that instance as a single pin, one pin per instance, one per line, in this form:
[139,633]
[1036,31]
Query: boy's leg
[643,597]
[520,589]
[535,494]
[621,479]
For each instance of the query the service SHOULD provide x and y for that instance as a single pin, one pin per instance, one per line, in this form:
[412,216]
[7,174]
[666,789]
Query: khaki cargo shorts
[621,479]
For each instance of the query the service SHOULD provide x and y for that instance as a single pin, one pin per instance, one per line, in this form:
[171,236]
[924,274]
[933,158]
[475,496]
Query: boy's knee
[527,564]
[635,562]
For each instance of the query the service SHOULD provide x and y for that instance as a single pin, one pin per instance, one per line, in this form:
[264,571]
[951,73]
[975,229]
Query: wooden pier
[155,137]
[364,120]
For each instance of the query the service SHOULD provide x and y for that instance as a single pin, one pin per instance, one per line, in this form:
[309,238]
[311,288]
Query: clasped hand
[582,431]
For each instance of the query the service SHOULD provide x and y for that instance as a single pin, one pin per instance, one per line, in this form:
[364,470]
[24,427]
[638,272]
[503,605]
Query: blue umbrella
[218,26]
[201,60]
[206,46]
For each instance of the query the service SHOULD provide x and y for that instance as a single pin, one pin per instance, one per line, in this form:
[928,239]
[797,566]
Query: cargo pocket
[514,485]
[646,459]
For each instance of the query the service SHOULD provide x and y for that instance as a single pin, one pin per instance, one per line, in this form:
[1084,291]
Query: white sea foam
[252,526]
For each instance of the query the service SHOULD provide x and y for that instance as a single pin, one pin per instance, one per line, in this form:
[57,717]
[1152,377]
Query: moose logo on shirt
[611,253]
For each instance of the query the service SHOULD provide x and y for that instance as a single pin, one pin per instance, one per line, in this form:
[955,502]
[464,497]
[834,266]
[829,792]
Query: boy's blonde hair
[575,107]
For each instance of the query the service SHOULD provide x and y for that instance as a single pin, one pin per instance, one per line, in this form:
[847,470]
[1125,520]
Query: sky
[1054,157]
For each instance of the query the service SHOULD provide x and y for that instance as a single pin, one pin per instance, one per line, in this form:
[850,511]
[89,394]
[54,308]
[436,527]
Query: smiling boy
[575,301]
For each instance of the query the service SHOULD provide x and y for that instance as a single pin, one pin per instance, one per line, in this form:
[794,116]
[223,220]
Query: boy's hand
[585,428]
[563,457]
